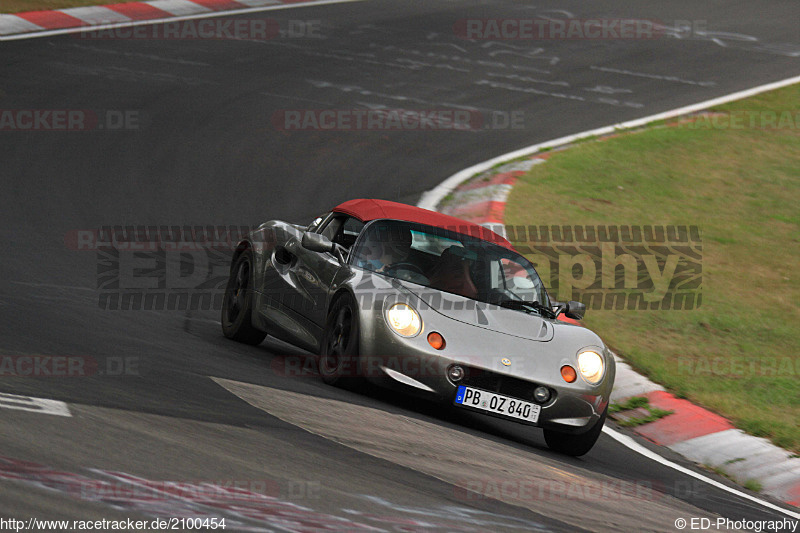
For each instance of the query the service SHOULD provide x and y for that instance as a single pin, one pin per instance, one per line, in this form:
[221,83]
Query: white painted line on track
[431,199]
[100,27]
[628,442]
[35,405]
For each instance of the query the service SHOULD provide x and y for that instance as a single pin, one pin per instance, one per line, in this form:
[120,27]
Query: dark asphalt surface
[205,151]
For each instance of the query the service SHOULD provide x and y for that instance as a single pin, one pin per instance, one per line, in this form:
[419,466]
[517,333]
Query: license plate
[497,403]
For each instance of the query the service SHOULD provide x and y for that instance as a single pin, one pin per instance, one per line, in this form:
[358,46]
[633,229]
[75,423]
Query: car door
[312,273]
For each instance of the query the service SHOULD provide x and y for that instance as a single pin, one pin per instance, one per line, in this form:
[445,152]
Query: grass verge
[636,404]
[737,354]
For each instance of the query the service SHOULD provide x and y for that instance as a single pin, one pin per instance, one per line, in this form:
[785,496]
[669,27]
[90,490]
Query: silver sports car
[428,303]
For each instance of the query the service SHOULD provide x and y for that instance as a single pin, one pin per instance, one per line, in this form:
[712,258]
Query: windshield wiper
[526,305]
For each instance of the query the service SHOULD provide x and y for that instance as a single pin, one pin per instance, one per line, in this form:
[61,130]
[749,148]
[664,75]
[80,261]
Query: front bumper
[413,366]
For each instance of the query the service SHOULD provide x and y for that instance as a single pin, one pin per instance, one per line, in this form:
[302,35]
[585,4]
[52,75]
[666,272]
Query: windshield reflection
[448,261]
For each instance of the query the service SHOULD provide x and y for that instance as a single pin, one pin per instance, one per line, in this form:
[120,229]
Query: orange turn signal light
[568,373]
[436,340]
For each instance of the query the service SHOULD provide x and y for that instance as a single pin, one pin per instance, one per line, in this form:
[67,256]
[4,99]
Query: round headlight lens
[404,320]
[590,365]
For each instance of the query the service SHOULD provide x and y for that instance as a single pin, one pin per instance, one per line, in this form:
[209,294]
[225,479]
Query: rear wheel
[575,445]
[338,358]
[237,304]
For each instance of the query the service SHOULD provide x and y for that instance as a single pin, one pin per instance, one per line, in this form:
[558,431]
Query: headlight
[404,320]
[591,366]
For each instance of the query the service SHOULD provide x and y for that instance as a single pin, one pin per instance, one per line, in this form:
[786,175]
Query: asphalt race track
[169,399]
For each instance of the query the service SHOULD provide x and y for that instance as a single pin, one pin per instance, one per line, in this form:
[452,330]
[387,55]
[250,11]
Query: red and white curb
[96,18]
[483,199]
[479,194]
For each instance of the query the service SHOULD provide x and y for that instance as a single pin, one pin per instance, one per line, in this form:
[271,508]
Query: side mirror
[575,310]
[316,242]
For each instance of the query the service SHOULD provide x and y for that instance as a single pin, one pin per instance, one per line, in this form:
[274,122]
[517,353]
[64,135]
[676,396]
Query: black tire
[575,445]
[338,355]
[237,304]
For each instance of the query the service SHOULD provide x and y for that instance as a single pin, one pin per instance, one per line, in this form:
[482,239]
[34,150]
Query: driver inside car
[386,249]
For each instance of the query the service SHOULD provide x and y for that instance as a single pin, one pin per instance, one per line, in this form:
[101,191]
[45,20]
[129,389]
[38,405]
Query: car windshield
[449,262]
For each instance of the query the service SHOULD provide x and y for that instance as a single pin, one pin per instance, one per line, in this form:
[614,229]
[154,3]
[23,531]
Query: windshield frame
[498,251]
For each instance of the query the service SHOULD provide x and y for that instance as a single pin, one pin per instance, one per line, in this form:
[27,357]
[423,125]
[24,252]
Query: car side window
[332,227]
[343,230]
[350,231]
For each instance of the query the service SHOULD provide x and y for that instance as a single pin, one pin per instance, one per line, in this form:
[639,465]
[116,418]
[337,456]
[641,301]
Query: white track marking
[212,14]
[430,199]
[628,442]
[35,405]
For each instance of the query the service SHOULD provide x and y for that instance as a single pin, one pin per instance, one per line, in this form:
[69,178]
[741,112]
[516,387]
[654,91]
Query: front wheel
[575,445]
[338,356]
[237,304]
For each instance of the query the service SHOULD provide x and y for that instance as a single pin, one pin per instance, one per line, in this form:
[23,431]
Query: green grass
[739,353]
[732,461]
[753,484]
[717,470]
[630,403]
[654,413]
[19,6]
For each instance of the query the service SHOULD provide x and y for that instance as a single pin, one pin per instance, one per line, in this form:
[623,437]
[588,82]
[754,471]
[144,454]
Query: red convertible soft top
[368,209]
